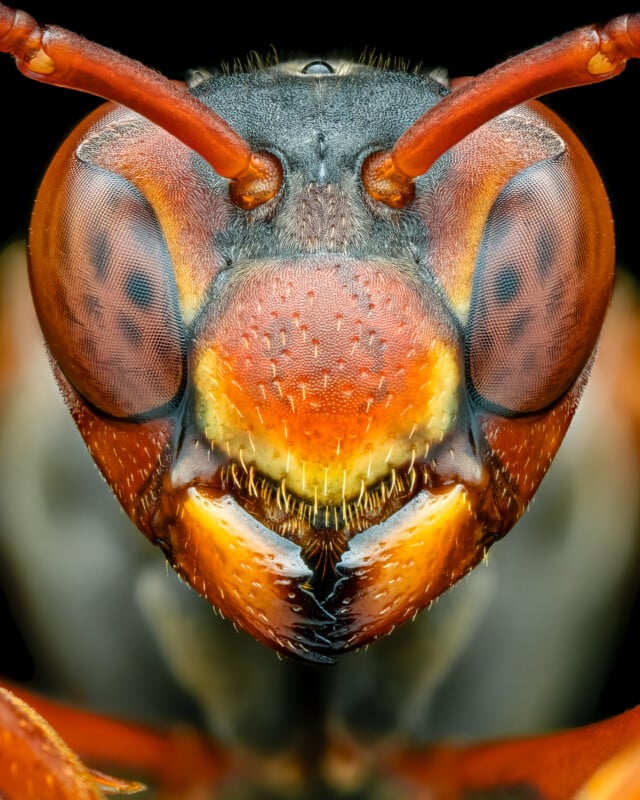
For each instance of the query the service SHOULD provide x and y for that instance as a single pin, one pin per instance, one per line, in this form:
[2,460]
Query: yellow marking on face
[329,441]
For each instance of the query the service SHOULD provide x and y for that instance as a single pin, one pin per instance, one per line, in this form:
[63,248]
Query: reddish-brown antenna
[57,56]
[587,55]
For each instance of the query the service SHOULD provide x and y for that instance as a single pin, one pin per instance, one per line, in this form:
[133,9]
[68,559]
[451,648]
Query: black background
[35,118]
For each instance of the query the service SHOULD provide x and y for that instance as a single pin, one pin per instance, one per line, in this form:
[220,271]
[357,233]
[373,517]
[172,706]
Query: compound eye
[538,297]
[105,293]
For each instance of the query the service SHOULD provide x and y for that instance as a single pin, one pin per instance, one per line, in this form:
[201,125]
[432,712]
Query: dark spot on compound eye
[92,306]
[130,329]
[519,325]
[139,289]
[545,253]
[529,361]
[507,284]
[100,253]
[317,68]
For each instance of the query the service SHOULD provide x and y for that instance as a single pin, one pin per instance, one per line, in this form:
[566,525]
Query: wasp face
[323,409]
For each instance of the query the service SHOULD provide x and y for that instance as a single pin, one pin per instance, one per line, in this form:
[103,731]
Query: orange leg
[37,757]
[557,766]
[36,763]
[617,778]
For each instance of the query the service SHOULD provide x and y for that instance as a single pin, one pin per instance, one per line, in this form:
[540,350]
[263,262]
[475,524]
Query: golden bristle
[322,530]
